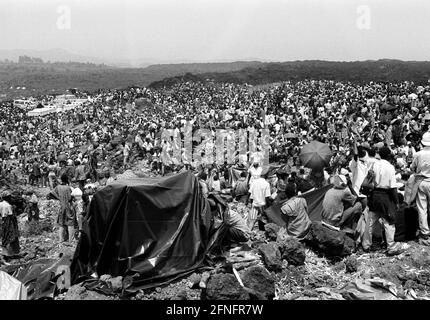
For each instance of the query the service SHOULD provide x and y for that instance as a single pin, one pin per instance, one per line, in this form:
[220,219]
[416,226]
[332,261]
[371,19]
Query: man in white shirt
[259,192]
[384,201]
[254,172]
[421,166]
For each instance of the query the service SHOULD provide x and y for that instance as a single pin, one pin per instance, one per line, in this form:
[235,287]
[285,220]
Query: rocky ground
[269,267]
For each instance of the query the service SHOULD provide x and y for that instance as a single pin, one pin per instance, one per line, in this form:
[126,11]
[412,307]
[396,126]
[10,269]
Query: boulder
[330,242]
[271,256]
[224,286]
[271,231]
[292,250]
[260,280]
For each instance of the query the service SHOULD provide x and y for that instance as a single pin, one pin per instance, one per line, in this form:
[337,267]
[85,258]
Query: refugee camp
[243,180]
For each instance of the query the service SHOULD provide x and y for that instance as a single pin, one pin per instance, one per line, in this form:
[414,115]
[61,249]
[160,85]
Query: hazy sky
[209,30]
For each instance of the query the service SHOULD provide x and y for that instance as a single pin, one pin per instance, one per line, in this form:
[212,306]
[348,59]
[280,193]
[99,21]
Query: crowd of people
[377,133]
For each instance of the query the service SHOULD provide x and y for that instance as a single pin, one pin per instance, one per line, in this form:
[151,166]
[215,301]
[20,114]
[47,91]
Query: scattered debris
[370,289]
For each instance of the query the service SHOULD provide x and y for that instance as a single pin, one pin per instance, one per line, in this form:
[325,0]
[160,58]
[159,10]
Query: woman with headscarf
[9,227]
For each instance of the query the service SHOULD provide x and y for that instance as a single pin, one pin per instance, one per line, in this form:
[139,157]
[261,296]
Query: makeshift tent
[313,199]
[152,230]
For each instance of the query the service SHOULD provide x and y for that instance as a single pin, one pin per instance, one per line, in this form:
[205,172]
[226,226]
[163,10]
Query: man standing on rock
[421,166]
[385,201]
[259,195]
[66,217]
[8,227]
[80,174]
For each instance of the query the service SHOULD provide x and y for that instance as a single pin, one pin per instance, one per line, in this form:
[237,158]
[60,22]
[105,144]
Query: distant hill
[183,68]
[57,77]
[358,71]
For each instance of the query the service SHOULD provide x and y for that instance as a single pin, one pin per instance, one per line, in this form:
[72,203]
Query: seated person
[280,187]
[238,230]
[303,184]
[340,208]
[295,210]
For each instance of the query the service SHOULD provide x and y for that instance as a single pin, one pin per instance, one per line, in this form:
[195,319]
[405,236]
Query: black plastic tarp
[39,276]
[151,230]
[313,199]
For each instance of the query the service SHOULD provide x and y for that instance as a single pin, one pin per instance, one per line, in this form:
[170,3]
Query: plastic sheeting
[40,276]
[313,199]
[11,288]
[370,289]
[152,230]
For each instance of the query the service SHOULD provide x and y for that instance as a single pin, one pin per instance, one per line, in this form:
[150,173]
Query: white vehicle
[40,112]
[24,104]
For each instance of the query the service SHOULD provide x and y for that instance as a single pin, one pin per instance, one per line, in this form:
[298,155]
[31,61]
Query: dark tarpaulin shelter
[153,230]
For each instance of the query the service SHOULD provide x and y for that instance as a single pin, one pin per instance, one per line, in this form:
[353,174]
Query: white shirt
[5,209]
[259,190]
[216,185]
[359,171]
[421,162]
[255,172]
[385,174]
